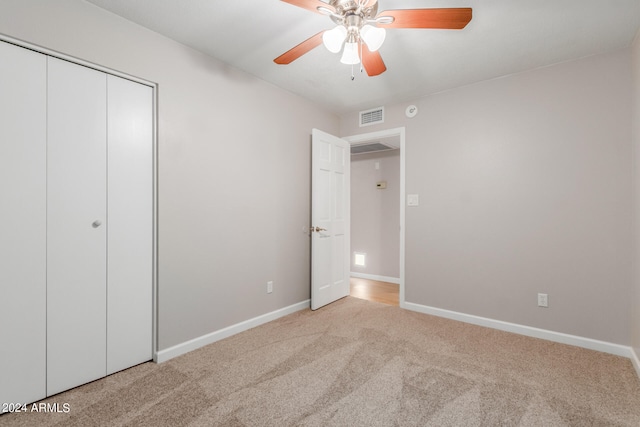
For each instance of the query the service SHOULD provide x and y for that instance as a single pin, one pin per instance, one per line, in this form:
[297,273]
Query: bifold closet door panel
[76,225]
[130,235]
[23,79]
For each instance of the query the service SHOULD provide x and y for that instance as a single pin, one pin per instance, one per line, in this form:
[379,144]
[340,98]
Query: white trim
[194,344]
[588,343]
[635,360]
[156,230]
[403,196]
[400,131]
[387,279]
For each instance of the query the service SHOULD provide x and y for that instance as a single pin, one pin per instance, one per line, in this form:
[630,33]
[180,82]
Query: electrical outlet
[543,300]
[269,286]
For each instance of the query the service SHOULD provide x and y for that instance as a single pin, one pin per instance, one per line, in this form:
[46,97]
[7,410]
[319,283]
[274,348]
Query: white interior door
[130,237]
[76,225]
[23,215]
[330,207]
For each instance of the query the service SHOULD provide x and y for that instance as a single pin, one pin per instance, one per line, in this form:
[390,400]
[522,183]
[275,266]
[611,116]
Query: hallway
[373,290]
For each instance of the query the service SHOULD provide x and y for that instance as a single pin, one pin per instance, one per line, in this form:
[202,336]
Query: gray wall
[525,187]
[635,324]
[525,184]
[234,167]
[375,213]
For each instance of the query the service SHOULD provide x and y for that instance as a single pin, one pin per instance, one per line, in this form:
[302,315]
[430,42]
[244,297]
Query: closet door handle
[97,223]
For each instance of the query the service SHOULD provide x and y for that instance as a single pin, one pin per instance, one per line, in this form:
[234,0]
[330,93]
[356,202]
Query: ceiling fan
[361,29]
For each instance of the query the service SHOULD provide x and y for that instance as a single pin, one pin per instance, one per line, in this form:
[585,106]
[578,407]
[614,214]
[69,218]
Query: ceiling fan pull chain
[361,56]
[353,77]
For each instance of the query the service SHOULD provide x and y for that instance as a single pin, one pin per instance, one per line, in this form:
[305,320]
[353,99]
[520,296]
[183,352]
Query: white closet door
[23,116]
[130,236]
[76,225]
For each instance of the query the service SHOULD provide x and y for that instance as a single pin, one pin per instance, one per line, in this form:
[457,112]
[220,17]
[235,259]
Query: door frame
[393,132]
[154,87]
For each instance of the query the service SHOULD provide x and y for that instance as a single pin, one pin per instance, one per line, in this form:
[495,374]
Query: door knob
[317,229]
[97,223]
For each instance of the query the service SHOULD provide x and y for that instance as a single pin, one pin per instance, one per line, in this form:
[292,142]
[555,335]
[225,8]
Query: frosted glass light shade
[350,55]
[333,39]
[373,36]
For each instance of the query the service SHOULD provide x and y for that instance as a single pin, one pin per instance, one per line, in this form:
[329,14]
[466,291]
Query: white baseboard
[387,279]
[186,347]
[591,344]
[635,360]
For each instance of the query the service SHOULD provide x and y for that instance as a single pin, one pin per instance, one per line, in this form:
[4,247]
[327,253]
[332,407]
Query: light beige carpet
[360,363]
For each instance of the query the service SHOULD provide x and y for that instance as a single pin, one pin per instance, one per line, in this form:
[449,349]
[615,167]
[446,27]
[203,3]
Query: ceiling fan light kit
[373,36]
[333,39]
[350,54]
[360,29]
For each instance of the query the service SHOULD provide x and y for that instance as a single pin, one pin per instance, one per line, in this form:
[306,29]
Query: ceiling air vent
[370,147]
[372,117]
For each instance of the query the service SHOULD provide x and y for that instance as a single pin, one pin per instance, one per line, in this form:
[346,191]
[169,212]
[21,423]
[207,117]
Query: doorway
[377,216]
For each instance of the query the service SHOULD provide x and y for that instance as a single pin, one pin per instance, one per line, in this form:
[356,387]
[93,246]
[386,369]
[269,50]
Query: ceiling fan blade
[445,18]
[372,62]
[311,5]
[299,50]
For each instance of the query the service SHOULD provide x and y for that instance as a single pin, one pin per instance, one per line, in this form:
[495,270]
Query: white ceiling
[504,37]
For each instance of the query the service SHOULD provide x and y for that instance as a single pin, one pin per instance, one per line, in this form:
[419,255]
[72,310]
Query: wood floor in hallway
[373,290]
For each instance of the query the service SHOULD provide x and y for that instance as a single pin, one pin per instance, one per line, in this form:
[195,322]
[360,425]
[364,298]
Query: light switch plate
[413,200]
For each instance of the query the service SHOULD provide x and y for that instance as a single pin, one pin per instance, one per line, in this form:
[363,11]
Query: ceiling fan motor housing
[346,8]
[353,22]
